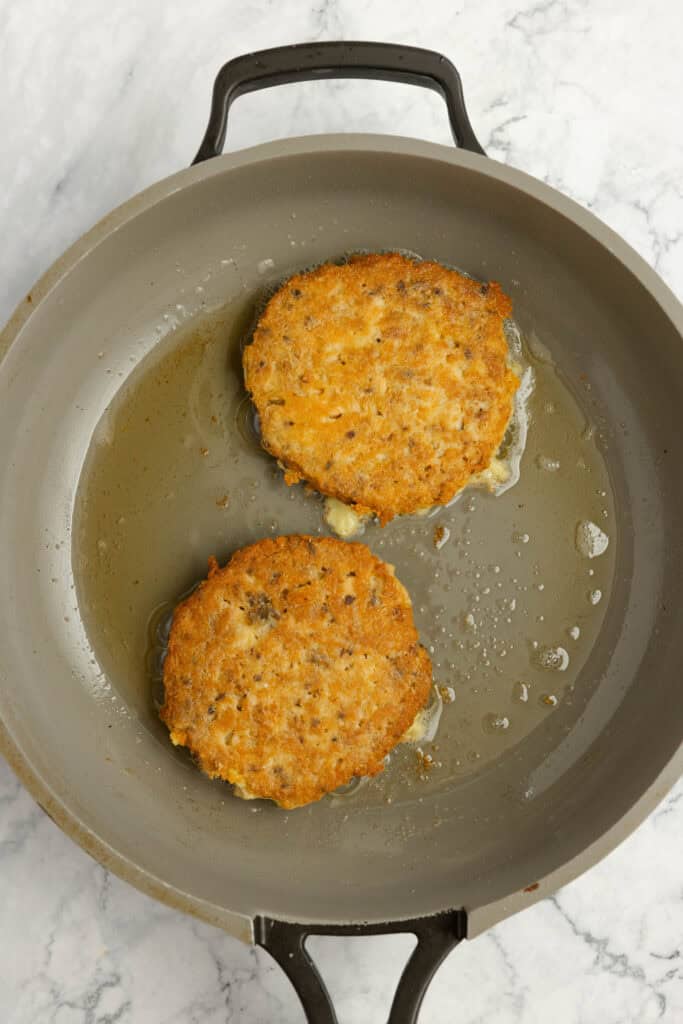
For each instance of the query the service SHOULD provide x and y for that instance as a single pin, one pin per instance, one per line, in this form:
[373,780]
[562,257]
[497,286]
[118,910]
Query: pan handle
[307,62]
[436,936]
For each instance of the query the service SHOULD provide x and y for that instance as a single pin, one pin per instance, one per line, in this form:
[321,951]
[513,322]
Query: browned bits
[425,764]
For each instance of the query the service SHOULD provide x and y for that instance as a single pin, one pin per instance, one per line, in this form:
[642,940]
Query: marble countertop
[99,100]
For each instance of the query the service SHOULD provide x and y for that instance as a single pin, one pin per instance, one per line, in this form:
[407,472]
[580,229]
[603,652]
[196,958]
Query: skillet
[159,295]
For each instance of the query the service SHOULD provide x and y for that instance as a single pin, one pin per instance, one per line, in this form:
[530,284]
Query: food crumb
[223,501]
[441,535]
[203,451]
[447,694]
[425,764]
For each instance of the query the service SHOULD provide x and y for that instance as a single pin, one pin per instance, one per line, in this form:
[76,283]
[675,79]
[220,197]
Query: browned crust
[383,382]
[294,668]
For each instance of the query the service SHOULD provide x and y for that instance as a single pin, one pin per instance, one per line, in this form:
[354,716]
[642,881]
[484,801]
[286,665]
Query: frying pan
[78,724]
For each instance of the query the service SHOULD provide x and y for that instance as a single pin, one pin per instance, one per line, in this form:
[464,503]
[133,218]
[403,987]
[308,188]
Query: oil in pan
[509,589]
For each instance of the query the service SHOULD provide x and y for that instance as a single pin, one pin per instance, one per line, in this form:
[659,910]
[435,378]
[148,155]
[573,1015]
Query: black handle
[311,61]
[436,936]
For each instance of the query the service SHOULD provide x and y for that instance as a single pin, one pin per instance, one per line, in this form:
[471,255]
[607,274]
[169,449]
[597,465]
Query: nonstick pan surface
[106,519]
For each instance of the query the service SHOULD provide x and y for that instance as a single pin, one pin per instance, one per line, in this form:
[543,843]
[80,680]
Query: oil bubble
[590,540]
[547,463]
[493,723]
[520,692]
[555,659]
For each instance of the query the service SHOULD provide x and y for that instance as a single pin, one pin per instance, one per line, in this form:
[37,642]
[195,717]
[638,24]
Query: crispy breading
[383,382]
[294,668]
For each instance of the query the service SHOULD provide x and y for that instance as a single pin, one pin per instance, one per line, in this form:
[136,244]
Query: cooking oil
[509,587]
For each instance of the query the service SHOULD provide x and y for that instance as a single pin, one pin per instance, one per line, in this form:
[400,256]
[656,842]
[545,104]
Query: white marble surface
[98,100]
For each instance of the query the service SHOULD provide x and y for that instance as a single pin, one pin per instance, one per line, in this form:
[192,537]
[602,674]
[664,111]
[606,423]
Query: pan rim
[238,924]
[366,143]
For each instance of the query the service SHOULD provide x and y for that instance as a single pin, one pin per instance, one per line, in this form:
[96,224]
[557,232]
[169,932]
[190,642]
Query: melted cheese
[342,519]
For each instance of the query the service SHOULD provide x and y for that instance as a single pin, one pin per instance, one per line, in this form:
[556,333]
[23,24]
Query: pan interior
[105,518]
[509,606]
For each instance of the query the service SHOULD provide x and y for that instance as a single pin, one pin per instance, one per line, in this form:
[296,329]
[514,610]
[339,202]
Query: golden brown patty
[294,668]
[383,382]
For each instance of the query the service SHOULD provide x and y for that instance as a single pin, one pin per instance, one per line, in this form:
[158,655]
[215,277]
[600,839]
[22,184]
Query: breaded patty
[294,668]
[383,382]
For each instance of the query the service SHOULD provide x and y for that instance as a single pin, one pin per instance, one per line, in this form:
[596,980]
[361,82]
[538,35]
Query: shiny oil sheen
[505,605]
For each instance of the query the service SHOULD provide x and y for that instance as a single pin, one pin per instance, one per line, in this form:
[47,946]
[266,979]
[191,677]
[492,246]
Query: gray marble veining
[98,101]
